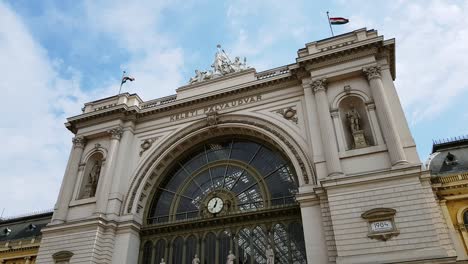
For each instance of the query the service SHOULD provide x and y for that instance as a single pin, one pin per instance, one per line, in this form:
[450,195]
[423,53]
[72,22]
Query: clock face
[215,205]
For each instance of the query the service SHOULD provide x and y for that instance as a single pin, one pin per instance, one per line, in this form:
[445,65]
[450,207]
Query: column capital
[79,142]
[116,133]
[372,72]
[319,85]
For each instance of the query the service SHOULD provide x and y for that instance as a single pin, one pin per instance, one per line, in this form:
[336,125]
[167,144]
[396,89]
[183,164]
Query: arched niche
[354,117]
[91,175]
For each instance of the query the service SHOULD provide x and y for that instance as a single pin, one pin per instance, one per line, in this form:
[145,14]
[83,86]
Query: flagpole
[121,83]
[331,29]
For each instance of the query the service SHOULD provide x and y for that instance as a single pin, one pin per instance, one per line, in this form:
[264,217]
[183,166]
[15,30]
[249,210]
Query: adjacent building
[20,238]
[311,162]
[448,165]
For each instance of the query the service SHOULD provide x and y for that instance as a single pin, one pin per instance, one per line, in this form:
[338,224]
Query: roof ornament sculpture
[221,66]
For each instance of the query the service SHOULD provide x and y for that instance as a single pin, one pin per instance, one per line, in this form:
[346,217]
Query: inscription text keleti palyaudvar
[215,107]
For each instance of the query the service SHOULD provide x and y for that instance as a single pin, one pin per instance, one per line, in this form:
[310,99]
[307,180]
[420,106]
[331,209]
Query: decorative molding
[79,142]
[146,144]
[62,256]
[133,191]
[116,133]
[212,118]
[288,113]
[319,85]
[347,89]
[370,106]
[381,223]
[372,72]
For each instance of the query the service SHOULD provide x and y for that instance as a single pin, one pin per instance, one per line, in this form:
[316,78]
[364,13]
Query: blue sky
[57,55]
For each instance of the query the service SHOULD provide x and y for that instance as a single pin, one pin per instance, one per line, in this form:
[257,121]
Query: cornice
[135,113]
[375,46]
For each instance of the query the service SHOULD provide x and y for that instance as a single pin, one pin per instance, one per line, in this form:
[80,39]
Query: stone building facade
[312,162]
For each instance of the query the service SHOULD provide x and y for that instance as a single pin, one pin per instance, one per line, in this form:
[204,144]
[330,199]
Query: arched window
[248,175]
[191,249]
[213,197]
[177,250]
[296,235]
[160,251]
[210,249]
[465,219]
[224,246]
[147,252]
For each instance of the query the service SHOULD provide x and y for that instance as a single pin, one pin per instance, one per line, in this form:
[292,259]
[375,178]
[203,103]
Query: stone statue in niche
[270,255]
[354,122]
[354,119]
[162,261]
[93,179]
[196,260]
[230,258]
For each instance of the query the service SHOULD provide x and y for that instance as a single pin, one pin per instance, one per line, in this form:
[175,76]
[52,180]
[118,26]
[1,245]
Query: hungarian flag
[338,20]
[127,78]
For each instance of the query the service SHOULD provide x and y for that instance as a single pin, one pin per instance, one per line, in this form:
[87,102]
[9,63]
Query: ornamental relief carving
[319,85]
[79,142]
[147,143]
[288,113]
[116,133]
[372,72]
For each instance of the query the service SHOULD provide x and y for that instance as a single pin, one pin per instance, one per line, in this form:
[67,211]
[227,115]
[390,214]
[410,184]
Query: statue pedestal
[359,139]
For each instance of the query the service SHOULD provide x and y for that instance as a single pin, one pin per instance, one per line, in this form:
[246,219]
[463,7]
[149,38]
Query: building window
[465,219]
[147,252]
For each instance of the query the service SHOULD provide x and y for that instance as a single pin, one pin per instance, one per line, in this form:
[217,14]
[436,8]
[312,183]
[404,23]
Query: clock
[215,205]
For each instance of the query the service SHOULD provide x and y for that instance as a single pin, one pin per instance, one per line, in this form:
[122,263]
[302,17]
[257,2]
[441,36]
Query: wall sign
[381,223]
[216,107]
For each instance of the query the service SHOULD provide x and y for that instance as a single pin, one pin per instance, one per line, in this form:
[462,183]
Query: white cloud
[155,60]
[36,100]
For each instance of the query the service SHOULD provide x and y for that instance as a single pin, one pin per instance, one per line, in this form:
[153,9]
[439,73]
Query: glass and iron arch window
[246,174]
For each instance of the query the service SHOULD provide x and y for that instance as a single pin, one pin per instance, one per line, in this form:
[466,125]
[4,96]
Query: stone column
[27,260]
[312,120]
[392,138]
[327,132]
[314,234]
[105,186]
[378,140]
[69,180]
[452,232]
[339,130]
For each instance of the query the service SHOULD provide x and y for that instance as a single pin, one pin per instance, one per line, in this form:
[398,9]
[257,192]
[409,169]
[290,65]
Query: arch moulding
[149,171]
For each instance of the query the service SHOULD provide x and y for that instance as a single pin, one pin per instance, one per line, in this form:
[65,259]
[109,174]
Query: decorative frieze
[372,72]
[288,113]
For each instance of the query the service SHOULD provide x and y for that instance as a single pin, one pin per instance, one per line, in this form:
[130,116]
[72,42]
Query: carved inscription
[215,107]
